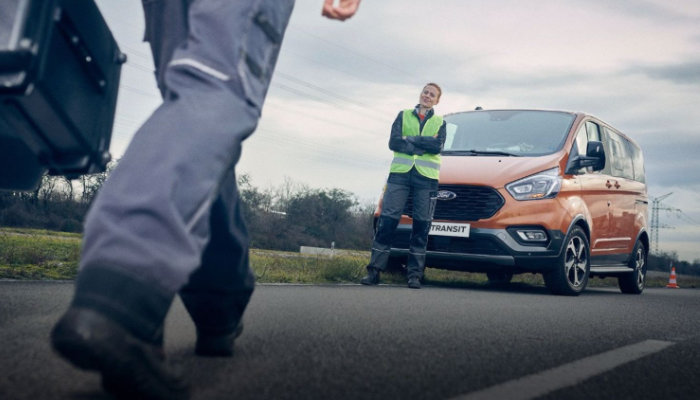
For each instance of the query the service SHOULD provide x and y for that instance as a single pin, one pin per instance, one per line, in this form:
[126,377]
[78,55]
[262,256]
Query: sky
[338,86]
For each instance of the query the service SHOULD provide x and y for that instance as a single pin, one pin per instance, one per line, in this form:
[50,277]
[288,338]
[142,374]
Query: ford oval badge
[446,195]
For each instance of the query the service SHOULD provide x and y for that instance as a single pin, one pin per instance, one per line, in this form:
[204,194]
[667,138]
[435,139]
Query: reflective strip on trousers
[202,67]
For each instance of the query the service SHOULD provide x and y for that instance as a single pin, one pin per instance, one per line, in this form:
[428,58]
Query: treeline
[58,203]
[294,215]
[282,218]
[664,262]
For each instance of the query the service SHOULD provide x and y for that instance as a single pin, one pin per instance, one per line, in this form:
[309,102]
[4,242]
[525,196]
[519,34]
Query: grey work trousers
[168,218]
[398,187]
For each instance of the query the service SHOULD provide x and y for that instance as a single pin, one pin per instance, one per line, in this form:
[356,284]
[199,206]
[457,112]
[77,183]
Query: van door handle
[609,184]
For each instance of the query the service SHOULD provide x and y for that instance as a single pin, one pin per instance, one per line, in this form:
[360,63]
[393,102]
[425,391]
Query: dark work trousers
[168,219]
[397,190]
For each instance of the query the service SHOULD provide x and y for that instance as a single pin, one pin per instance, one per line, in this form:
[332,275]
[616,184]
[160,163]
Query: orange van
[552,192]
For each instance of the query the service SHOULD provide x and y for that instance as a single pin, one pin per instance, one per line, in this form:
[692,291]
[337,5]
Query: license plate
[449,229]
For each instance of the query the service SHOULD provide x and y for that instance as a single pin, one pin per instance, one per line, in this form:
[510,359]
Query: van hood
[494,171]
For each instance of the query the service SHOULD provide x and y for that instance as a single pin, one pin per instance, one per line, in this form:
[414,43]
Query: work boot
[372,277]
[217,345]
[414,282]
[131,368]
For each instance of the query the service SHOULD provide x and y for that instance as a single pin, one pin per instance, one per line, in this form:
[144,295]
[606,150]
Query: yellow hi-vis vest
[427,165]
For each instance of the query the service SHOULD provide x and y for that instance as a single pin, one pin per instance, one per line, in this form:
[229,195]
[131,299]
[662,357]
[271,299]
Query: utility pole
[655,226]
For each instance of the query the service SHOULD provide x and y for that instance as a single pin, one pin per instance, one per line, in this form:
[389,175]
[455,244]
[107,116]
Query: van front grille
[446,244]
[471,203]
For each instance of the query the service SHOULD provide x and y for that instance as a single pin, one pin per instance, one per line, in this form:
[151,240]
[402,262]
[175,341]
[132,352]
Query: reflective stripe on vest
[427,164]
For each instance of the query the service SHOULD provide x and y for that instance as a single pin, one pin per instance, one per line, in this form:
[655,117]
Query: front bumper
[484,250]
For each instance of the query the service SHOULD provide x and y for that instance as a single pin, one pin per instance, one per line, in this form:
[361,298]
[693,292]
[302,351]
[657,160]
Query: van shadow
[515,287]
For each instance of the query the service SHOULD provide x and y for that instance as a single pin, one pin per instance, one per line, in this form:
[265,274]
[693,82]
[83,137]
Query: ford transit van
[552,192]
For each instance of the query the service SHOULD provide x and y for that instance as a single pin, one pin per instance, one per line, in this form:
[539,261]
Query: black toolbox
[59,78]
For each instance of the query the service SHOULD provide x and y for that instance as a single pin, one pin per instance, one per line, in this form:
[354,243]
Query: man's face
[429,97]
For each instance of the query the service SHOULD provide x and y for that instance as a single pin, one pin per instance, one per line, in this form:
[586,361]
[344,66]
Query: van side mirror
[595,157]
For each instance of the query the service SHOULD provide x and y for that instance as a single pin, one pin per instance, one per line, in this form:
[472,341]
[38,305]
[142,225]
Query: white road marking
[535,385]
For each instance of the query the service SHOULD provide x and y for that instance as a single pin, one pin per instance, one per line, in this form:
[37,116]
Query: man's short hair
[436,87]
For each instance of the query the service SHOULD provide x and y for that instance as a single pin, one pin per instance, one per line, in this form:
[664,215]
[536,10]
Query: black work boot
[414,282]
[372,277]
[131,368]
[217,345]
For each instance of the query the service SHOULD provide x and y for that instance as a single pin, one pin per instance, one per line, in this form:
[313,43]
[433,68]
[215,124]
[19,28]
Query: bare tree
[69,188]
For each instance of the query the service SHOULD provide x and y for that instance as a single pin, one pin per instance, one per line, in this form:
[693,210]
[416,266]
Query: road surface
[390,342]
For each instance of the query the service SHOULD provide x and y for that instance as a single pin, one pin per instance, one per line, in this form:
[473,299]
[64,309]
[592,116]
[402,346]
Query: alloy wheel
[575,262]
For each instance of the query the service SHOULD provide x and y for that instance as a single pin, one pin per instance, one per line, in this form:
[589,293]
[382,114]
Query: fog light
[532,235]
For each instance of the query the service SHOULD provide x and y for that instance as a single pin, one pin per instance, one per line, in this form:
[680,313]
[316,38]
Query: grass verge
[46,255]
[38,254]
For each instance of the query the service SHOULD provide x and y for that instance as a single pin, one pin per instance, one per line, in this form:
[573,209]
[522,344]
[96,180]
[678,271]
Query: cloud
[659,11]
[672,161]
[338,86]
[687,73]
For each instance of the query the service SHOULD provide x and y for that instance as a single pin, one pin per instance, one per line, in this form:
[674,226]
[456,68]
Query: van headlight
[543,185]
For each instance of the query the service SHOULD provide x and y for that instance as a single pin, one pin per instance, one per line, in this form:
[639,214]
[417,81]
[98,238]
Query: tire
[633,283]
[569,276]
[499,278]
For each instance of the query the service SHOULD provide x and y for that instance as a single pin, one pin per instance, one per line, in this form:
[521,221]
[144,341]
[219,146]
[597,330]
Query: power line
[140,91]
[688,218]
[325,91]
[345,48]
[328,65]
[137,52]
[655,223]
[304,94]
[330,153]
[139,67]
[354,128]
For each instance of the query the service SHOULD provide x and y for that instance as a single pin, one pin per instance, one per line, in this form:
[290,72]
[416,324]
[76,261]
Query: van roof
[578,114]
[479,109]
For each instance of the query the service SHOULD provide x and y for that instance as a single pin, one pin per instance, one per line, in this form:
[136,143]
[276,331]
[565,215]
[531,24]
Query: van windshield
[526,133]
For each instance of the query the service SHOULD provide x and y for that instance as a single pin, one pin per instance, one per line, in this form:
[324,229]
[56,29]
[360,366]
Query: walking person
[417,137]
[168,219]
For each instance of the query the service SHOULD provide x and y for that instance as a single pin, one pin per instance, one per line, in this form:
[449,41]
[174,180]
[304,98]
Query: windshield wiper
[479,153]
[459,153]
[496,153]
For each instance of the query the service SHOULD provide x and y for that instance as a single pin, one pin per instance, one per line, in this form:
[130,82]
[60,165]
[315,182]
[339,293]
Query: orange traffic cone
[672,280]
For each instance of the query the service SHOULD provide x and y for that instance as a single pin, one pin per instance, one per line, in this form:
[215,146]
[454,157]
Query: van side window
[592,131]
[580,143]
[637,162]
[621,159]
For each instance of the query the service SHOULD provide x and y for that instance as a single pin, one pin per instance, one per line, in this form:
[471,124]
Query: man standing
[168,220]
[417,137]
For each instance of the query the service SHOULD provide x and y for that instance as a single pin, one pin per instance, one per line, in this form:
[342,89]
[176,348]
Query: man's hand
[344,10]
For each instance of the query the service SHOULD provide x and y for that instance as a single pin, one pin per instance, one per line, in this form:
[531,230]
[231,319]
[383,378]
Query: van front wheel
[569,276]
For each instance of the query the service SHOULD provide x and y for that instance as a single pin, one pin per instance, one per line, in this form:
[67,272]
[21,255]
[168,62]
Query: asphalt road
[390,342]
